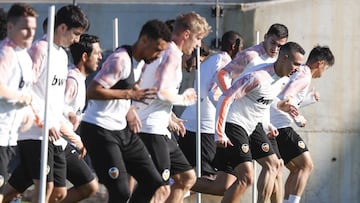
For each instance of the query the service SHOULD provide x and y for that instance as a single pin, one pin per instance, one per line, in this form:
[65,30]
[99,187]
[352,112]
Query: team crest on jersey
[265,147]
[165,174]
[2,180]
[113,172]
[47,169]
[245,148]
[301,144]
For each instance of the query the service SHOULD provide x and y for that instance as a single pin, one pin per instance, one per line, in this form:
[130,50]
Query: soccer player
[70,23]
[231,43]
[109,123]
[15,80]
[242,107]
[292,147]
[166,75]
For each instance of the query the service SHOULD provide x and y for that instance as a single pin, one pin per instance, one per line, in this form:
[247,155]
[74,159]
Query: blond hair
[193,22]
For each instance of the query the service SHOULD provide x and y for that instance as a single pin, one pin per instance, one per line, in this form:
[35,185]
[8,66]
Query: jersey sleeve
[6,58]
[238,90]
[165,76]
[115,68]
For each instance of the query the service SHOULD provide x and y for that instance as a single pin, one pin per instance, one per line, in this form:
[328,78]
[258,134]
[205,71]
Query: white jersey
[296,89]
[155,116]
[75,96]
[75,91]
[111,114]
[248,99]
[16,74]
[57,81]
[207,109]
[243,60]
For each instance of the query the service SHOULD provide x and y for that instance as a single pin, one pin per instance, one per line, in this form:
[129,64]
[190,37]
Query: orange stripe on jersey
[221,118]
[221,79]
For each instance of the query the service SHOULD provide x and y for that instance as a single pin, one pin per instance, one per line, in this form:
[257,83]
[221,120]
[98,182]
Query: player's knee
[186,179]
[89,189]
[271,164]
[58,194]
[10,195]
[248,180]
[308,165]
[118,192]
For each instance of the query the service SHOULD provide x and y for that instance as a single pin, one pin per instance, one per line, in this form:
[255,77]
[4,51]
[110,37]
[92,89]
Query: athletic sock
[294,199]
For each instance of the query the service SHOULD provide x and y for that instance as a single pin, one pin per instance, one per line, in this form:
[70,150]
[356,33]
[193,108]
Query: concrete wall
[333,130]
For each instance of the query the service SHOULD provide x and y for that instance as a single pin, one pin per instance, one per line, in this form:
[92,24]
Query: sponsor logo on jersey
[264,101]
[245,148]
[165,174]
[113,172]
[265,147]
[301,144]
[2,180]
[58,81]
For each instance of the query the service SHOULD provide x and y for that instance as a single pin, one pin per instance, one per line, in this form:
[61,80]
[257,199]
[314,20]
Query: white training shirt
[155,116]
[296,89]
[57,81]
[207,109]
[15,73]
[111,114]
[75,96]
[75,91]
[243,60]
[248,99]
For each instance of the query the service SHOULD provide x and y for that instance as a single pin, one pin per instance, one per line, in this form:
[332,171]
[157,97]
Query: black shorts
[114,154]
[166,154]
[29,167]
[208,149]
[260,144]
[226,159]
[77,170]
[7,153]
[290,144]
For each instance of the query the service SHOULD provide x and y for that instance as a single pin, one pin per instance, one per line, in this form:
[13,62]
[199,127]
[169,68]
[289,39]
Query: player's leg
[80,175]
[182,172]
[110,170]
[217,186]
[263,152]
[300,170]
[297,159]
[245,178]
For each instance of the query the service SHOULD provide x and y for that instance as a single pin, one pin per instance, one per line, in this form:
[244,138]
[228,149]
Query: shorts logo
[301,144]
[165,174]
[1,180]
[265,147]
[113,172]
[47,169]
[245,148]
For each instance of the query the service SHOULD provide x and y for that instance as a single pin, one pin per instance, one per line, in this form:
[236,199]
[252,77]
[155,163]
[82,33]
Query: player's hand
[176,125]
[190,96]
[287,106]
[140,95]
[54,134]
[300,121]
[133,120]
[224,143]
[315,94]
[273,131]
